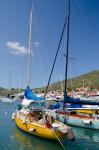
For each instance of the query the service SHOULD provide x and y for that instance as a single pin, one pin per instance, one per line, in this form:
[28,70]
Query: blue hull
[84,123]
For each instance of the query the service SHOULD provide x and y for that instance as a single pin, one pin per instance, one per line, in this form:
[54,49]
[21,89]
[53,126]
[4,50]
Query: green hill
[90,79]
[5,92]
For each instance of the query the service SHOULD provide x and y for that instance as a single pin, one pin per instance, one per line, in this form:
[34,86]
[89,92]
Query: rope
[56,56]
[58,140]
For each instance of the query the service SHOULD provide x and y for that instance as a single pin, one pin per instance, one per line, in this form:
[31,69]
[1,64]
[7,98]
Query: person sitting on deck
[48,121]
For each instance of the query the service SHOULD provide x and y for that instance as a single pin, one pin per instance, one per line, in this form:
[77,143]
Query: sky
[47,24]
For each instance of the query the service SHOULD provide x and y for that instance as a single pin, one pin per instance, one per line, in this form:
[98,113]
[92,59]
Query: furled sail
[30,95]
[72,100]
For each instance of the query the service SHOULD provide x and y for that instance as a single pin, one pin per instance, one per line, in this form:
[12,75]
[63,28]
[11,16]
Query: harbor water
[11,138]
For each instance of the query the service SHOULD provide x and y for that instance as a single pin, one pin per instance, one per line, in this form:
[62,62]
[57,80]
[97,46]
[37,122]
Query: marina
[13,138]
[38,110]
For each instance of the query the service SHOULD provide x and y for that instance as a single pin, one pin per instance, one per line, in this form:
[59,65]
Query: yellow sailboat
[88,110]
[41,123]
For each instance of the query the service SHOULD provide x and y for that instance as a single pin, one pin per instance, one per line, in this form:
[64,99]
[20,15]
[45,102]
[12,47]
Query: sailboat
[77,112]
[38,121]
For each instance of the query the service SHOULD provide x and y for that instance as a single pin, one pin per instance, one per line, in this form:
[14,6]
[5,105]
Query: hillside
[90,79]
[5,92]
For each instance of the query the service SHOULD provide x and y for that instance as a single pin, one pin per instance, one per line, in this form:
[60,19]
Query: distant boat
[7,100]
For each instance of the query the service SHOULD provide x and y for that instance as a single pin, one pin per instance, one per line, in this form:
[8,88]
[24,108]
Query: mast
[67,48]
[61,83]
[29,46]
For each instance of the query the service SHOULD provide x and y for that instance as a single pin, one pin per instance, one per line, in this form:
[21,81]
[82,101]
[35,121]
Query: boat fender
[70,134]
[61,118]
[32,129]
[57,117]
[13,116]
[24,121]
[66,118]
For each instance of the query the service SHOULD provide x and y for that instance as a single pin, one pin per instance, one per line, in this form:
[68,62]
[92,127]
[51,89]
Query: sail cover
[55,106]
[31,96]
[72,100]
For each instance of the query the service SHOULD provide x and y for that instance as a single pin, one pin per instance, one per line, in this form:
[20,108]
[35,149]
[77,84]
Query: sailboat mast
[29,46]
[67,48]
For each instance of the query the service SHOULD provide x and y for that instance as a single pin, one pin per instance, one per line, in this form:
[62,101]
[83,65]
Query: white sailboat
[82,113]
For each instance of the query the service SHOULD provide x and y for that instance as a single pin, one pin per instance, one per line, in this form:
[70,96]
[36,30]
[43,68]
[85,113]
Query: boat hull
[38,130]
[84,122]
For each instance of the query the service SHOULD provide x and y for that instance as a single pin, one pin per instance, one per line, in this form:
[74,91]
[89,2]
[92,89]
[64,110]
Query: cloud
[17,48]
[36,43]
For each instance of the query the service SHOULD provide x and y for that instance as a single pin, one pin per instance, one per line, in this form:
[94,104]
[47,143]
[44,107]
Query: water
[11,138]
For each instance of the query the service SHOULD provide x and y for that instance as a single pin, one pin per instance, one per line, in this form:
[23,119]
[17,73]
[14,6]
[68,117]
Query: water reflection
[11,138]
[86,134]
[31,142]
